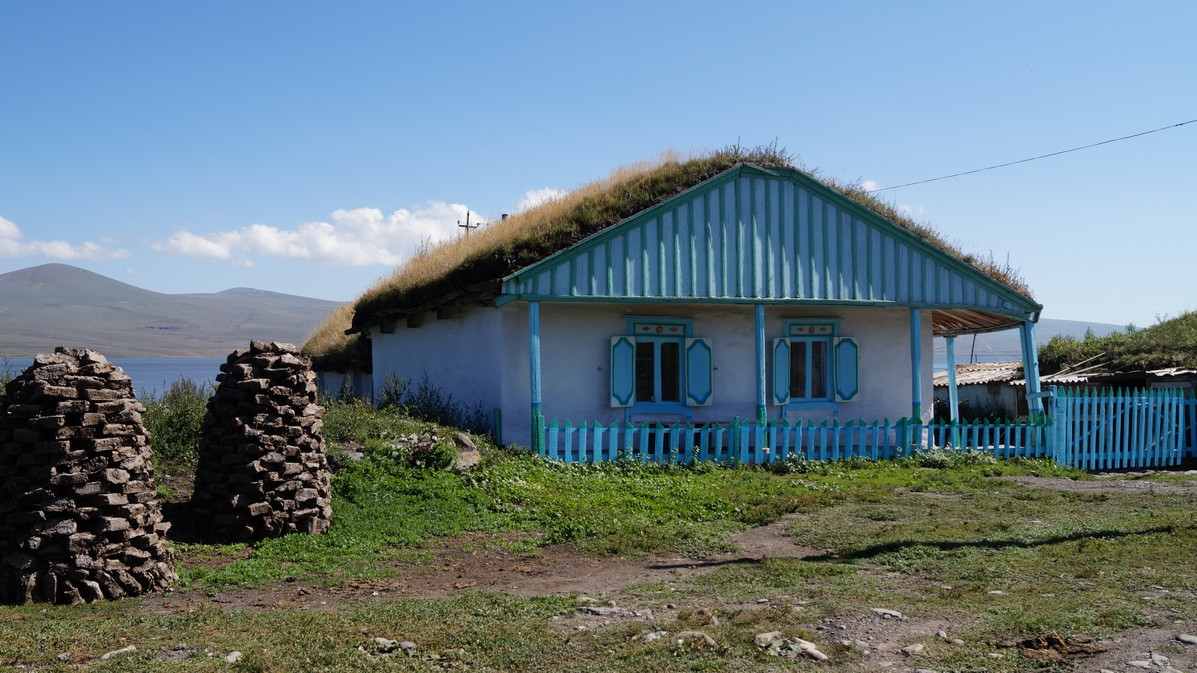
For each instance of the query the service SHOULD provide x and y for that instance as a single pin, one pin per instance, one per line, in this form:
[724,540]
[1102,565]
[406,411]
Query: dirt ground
[476,562]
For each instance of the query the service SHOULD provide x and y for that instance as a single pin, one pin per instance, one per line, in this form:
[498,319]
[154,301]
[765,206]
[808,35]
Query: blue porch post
[916,365]
[1030,370]
[534,362]
[953,397]
[762,415]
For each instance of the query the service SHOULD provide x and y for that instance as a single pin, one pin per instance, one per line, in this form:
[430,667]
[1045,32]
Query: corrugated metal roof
[1004,372]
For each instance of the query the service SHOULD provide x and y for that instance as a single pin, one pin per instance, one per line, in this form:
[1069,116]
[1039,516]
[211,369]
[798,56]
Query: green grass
[930,536]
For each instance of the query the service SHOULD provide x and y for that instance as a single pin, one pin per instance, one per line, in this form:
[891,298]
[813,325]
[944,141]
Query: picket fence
[1086,429]
[1119,429]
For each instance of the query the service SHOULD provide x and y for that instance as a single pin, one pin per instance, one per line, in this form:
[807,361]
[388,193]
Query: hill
[1005,346]
[56,304]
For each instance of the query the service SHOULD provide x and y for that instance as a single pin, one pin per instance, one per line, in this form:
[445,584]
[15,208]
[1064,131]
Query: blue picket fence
[1092,430]
[1117,429]
[747,443]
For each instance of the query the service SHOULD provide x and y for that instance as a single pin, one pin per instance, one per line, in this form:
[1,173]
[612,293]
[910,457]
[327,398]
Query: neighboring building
[757,294]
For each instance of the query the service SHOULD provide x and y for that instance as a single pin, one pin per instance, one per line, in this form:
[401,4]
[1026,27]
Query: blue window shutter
[623,371]
[698,372]
[847,364]
[781,371]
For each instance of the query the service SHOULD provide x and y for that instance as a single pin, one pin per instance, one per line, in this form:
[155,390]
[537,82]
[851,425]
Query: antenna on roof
[467,226]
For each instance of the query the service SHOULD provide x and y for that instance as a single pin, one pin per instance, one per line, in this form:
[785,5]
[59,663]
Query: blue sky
[310,147]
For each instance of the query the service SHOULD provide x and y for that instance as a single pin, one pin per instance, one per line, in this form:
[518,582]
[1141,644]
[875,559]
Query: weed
[175,419]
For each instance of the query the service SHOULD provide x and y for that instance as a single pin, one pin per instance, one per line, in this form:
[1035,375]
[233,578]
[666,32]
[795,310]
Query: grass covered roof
[1171,342]
[475,264]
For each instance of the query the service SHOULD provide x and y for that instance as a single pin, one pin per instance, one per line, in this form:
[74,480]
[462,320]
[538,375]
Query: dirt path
[474,562]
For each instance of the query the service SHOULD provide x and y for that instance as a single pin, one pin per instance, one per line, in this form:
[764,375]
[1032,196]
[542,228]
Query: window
[658,370]
[659,367]
[814,365]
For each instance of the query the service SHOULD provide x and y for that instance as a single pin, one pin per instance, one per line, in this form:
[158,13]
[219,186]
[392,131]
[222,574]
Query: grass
[501,248]
[1171,342]
[930,536]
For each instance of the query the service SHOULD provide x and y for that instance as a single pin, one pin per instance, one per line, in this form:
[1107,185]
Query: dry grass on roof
[501,248]
[523,239]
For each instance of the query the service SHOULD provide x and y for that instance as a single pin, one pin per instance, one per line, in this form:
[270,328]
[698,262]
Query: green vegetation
[1171,342]
[174,419]
[943,537]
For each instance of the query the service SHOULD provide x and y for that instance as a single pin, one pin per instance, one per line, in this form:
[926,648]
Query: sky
[311,148]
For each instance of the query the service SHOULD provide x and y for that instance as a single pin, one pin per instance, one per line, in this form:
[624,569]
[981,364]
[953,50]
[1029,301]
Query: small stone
[888,614]
[913,649]
[1140,663]
[809,649]
[1187,639]
[406,645]
[64,656]
[996,655]
[115,653]
[957,641]
[943,635]
[384,645]
[655,635]
[233,657]
[1160,660]
[997,592]
[701,639]
[763,639]
[600,611]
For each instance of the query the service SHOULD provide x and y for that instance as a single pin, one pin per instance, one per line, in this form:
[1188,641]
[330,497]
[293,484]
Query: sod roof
[472,267]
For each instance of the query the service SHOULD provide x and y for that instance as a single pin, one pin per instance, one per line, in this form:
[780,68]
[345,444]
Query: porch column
[916,364]
[534,366]
[953,398]
[1030,370]
[762,415]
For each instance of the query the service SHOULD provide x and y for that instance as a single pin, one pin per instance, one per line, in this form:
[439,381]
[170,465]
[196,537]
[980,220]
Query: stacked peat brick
[262,470]
[79,515]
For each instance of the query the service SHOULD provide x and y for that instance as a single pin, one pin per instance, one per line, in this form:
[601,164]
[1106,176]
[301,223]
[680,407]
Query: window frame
[808,331]
[659,330]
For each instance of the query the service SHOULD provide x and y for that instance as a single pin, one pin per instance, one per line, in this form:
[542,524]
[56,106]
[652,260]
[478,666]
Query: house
[756,293]
[998,389]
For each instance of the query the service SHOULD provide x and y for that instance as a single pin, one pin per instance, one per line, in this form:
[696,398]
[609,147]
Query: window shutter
[623,371]
[698,372]
[847,362]
[781,371]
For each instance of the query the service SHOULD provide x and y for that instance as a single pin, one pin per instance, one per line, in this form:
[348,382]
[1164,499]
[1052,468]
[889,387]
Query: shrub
[175,420]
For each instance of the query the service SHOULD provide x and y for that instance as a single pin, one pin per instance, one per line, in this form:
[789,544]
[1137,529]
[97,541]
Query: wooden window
[813,365]
[659,367]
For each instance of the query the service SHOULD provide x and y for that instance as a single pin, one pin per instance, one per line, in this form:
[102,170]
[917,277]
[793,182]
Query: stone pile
[262,470]
[79,515]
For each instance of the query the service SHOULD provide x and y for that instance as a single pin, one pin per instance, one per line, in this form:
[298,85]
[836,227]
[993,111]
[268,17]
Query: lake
[151,376]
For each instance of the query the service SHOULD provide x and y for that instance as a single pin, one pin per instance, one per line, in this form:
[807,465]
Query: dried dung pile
[262,470]
[79,515]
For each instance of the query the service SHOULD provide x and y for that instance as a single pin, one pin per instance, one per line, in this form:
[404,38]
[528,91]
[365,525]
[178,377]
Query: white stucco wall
[575,361]
[460,356]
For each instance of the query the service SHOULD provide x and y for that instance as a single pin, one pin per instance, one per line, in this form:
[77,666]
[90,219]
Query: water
[151,376]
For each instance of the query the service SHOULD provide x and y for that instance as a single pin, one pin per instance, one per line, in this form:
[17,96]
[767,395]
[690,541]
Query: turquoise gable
[752,235]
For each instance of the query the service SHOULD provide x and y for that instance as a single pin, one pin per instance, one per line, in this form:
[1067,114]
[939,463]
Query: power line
[1041,156]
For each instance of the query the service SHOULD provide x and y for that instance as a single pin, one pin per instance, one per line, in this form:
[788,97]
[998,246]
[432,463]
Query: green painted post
[534,362]
[762,416]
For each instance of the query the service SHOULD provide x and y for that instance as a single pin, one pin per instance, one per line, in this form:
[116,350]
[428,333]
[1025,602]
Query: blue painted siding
[755,236]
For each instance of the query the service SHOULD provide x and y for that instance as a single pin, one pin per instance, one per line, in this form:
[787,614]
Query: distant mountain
[1006,346]
[55,304]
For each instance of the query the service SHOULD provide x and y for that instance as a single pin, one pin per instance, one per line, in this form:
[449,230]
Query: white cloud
[535,197]
[356,237]
[870,185]
[13,244]
[912,210]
